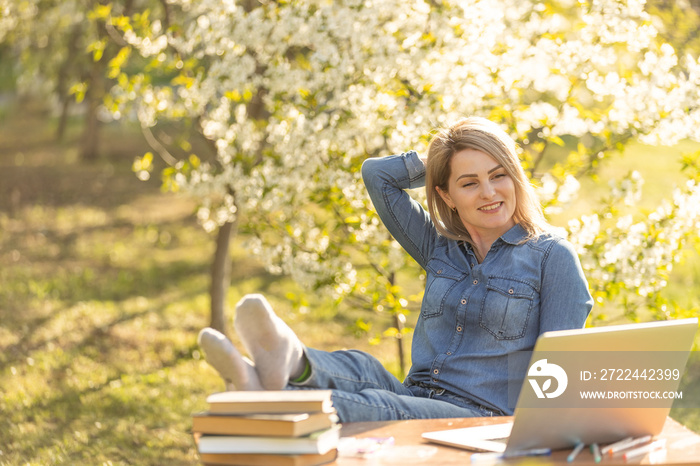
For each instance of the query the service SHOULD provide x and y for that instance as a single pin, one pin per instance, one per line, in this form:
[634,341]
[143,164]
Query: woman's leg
[349,371]
[384,405]
[363,390]
[280,356]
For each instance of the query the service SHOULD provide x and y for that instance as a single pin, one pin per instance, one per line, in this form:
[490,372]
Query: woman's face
[483,193]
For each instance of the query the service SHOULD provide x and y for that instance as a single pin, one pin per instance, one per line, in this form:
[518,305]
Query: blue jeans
[363,390]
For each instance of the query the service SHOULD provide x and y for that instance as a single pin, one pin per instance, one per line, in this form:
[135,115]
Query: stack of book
[275,428]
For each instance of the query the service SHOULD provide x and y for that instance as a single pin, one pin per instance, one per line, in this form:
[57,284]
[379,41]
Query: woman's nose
[487,191]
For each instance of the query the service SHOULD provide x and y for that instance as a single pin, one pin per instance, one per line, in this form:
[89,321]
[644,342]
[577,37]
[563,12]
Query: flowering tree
[62,51]
[293,95]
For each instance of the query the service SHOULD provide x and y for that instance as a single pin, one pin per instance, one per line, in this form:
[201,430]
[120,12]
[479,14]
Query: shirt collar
[515,235]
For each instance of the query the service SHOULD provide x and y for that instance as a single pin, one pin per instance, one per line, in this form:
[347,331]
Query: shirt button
[459,328]
[449,353]
[510,291]
[475,282]
[436,371]
[463,301]
[439,271]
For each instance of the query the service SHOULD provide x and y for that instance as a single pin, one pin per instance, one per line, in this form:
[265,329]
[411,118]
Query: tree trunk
[63,118]
[221,276]
[64,78]
[94,95]
[399,323]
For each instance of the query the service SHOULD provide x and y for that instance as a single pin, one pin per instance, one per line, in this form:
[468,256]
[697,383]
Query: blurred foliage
[677,21]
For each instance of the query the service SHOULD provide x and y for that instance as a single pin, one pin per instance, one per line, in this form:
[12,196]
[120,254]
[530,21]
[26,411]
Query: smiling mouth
[490,207]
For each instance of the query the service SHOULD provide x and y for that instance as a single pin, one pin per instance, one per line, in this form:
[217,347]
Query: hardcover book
[274,425]
[264,459]
[318,443]
[270,402]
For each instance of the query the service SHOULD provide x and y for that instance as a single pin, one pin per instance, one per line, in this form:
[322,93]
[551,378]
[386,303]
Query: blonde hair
[486,136]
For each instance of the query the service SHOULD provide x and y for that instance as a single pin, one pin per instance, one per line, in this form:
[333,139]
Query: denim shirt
[474,315]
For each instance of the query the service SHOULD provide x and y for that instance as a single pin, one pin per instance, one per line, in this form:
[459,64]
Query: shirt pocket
[442,278]
[506,308]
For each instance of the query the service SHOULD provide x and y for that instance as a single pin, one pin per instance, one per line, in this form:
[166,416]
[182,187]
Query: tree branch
[157,146]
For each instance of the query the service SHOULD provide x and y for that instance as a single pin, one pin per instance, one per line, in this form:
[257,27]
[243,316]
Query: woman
[496,279]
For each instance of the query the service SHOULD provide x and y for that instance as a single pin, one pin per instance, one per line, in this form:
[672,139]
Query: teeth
[491,207]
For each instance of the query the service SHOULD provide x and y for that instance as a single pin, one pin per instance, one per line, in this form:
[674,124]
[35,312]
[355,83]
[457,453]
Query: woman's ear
[445,197]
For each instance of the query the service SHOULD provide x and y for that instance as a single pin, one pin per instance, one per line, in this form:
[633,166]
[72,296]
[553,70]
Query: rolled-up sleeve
[386,179]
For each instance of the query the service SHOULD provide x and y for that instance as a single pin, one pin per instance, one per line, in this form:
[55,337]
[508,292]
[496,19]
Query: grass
[103,289]
[100,298]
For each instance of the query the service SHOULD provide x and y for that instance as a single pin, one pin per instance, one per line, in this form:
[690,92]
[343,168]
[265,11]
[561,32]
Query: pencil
[649,447]
[632,442]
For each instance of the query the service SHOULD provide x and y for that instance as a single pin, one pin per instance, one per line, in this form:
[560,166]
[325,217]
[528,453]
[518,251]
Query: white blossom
[295,95]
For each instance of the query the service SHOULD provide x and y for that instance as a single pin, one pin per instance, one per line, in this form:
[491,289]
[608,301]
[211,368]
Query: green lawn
[103,289]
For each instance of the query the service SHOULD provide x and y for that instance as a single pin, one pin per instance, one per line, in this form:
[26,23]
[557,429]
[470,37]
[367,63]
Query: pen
[577,449]
[649,447]
[596,452]
[626,443]
[617,444]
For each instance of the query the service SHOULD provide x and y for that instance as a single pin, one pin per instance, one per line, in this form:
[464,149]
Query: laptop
[591,385]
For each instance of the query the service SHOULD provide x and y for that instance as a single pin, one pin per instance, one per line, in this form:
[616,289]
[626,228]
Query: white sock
[237,371]
[277,351]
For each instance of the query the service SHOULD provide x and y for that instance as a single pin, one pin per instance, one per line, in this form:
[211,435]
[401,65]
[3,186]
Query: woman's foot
[237,371]
[277,351]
